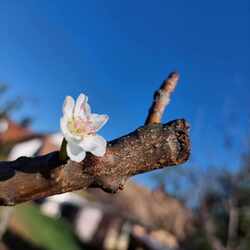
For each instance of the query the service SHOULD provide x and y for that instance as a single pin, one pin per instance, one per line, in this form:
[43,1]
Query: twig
[162,99]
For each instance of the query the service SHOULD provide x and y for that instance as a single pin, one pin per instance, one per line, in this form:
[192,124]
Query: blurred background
[118,53]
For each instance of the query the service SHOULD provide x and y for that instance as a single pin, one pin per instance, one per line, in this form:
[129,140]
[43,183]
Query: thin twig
[162,99]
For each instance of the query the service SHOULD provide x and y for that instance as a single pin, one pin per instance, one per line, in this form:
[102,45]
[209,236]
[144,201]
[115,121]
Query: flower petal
[86,108]
[66,132]
[68,106]
[98,121]
[79,111]
[74,152]
[94,144]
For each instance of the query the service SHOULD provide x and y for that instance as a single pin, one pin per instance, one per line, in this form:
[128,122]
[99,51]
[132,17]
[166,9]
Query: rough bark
[150,147]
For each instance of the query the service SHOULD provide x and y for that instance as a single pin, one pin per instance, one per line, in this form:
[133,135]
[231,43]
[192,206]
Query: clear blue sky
[118,53]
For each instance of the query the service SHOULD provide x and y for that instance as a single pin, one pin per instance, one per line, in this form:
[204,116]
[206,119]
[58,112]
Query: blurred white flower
[79,127]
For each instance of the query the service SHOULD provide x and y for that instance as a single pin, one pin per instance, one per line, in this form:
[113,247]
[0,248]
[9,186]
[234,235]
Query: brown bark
[147,148]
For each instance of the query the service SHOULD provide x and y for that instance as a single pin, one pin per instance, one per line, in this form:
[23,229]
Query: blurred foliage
[44,232]
[228,202]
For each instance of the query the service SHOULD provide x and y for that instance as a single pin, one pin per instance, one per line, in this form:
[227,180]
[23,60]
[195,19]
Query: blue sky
[118,53]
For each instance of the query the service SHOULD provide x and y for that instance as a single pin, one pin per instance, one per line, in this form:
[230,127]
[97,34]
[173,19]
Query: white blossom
[79,127]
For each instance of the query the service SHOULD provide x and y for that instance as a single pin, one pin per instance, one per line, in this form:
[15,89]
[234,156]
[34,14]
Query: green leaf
[49,233]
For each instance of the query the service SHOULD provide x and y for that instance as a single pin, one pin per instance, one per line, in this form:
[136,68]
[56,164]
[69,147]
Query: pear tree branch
[149,147]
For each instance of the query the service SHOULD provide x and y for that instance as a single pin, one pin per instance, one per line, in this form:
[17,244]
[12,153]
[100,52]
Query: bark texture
[150,147]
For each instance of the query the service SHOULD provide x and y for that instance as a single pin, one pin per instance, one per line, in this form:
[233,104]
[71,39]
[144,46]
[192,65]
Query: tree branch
[147,148]
[162,98]
[150,147]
